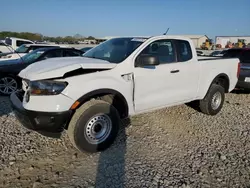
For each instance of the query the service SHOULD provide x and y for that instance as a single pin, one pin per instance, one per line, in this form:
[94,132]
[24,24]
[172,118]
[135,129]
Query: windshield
[22,49]
[115,50]
[33,56]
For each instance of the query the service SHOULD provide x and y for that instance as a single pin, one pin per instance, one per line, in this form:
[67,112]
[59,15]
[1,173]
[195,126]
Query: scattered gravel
[172,147]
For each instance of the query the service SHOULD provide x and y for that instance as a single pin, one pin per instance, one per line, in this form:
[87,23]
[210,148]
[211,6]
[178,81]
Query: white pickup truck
[87,96]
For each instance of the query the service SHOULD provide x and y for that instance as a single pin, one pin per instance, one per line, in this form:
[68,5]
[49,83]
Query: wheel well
[111,96]
[223,81]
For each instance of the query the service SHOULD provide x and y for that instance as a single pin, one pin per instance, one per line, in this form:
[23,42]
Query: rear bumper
[243,85]
[44,122]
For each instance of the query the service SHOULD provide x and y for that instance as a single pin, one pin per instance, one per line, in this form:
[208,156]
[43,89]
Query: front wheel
[94,126]
[8,85]
[213,101]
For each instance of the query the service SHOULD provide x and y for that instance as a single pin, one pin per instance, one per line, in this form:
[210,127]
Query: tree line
[39,37]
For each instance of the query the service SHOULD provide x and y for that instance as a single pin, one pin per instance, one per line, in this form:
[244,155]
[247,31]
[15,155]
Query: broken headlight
[46,87]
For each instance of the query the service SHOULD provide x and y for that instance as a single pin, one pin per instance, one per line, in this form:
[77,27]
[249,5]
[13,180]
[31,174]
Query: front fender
[83,85]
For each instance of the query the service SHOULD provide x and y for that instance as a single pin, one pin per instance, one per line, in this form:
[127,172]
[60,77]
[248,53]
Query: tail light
[238,70]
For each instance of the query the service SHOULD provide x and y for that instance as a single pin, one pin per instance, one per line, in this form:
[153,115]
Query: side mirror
[146,60]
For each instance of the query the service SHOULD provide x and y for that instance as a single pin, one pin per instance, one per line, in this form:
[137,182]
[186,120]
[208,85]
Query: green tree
[40,37]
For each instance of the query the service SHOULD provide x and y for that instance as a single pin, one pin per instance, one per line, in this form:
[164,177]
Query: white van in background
[12,44]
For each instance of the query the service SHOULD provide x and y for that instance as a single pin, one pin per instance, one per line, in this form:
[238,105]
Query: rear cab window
[184,51]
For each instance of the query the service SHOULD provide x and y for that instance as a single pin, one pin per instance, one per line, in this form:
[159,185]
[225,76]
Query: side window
[163,49]
[70,53]
[21,42]
[53,53]
[184,50]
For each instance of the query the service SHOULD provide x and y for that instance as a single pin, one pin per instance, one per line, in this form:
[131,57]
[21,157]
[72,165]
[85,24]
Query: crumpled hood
[57,67]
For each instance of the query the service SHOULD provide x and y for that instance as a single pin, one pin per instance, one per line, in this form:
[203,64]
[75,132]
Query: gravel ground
[172,147]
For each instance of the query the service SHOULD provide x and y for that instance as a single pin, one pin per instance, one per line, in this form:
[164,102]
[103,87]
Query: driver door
[164,84]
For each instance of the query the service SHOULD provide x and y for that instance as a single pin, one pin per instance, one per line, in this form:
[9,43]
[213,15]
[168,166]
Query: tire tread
[205,103]
[76,117]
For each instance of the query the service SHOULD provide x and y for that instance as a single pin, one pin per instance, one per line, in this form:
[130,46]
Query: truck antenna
[166,32]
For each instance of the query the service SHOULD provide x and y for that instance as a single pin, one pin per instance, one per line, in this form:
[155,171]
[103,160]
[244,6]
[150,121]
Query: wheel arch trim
[104,91]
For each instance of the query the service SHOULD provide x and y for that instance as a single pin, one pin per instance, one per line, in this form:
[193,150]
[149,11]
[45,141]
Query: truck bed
[212,58]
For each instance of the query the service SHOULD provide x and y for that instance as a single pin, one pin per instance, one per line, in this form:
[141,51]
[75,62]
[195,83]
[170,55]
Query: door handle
[174,71]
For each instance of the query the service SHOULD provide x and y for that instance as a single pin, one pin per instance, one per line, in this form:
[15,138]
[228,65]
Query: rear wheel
[213,101]
[8,85]
[94,126]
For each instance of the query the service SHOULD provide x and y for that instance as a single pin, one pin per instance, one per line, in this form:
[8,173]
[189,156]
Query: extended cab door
[174,81]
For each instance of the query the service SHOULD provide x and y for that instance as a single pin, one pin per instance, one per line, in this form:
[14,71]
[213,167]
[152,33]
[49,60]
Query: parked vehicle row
[85,49]
[11,43]
[122,77]
[244,77]
[23,50]
[9,69]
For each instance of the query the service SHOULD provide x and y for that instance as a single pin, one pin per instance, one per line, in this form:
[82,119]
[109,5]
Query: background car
[234,52]
[10,82]
[200,53]
[23,50]
[86,49]
[244,78]
[218,53]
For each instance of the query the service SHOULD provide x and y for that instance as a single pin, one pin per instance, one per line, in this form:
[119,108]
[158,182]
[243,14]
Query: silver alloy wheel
[216,100]
[98,129]
[8,85]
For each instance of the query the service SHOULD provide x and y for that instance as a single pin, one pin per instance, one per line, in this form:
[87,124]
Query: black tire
[78,129]
[206,104]
[9,77]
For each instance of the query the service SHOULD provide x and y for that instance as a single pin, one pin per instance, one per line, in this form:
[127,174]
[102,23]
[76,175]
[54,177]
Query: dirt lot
[173,147]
